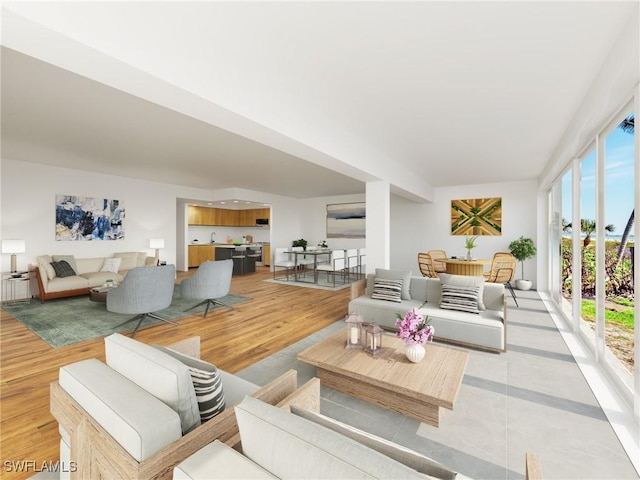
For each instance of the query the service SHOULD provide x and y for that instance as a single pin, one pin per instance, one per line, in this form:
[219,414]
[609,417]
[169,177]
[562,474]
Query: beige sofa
[486,329]
[89,273]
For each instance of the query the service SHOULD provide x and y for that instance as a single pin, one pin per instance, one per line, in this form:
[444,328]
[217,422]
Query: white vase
[523,284]
[415,353]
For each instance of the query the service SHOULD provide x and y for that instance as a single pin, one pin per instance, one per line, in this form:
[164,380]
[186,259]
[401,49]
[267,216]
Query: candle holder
[373,339]
[354,330]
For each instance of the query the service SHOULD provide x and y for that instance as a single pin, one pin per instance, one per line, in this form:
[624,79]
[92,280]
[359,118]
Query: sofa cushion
[402,454]
[111,264]
[464,299]
[465,281]
[207,383]
[129,260]
[385,289]
[45,261]
[160,374]
[404,275]
[98,279]
[70,259]
[142,424]
[63,269]
[277,441]
[218,461]
[141,259]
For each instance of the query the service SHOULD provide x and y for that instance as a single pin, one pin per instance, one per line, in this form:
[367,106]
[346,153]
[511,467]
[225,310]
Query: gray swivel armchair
[143,291]
[211,281]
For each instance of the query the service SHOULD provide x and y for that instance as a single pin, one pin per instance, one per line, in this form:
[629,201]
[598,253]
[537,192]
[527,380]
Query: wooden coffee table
[418,390]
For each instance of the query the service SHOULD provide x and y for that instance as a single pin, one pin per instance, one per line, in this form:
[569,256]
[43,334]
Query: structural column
[378,198]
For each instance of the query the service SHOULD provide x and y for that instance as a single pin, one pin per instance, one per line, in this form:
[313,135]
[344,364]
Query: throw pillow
[464,299]
[207,383]
[70,259]
[63,269]
[395,451]
[385,289]
[111,265]
[465,281]
[404,275]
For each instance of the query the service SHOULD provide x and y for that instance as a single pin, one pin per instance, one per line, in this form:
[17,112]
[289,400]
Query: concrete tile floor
[533,398]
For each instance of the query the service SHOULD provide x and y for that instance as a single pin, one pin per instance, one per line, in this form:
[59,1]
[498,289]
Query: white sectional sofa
[89,273]
[485,329]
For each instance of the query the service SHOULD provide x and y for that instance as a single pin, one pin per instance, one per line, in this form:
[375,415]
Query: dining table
[308,253]
[462,266]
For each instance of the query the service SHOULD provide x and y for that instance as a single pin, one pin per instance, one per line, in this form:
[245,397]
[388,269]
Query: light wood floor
[275,317]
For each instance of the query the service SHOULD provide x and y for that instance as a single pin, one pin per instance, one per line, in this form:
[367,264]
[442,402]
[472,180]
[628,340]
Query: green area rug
[66,321]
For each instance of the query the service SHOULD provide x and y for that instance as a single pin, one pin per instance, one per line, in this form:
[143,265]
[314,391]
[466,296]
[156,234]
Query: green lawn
[624,317]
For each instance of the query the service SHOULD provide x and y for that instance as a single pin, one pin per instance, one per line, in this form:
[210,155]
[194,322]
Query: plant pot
[523,284]
[415,353]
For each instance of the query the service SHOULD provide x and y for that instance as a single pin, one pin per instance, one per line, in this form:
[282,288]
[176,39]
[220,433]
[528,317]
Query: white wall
[28,210]
[421,227]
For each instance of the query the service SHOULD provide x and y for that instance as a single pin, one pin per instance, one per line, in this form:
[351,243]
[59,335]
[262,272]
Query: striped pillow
[207,383]
[387,289]
[208,386]
[464,299]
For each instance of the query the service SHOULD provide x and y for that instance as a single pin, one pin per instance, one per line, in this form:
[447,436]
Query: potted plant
[469,244]
[523,249]
[301,242]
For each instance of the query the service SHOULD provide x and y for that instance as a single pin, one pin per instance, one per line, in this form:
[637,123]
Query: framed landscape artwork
[346,220]
[478,216]
[88,218]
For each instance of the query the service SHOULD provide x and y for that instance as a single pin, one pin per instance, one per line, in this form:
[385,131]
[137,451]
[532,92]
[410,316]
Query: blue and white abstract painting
[87,218]
[346,220]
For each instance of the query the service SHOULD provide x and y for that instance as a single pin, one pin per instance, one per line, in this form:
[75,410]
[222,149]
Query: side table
[11,281]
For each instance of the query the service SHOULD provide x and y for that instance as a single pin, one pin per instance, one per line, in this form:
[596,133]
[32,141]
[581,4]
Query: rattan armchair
[425,263]
[503,267]
[437,256]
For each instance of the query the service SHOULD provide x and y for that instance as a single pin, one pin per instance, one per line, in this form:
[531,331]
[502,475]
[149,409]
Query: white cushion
[45,261]
[129,260]
[292,447]
[402,454]
[218,461]
[163,376]
[142,424]
[111,264]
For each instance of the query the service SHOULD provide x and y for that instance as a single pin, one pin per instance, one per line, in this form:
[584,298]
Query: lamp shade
[156,243]
[13,246]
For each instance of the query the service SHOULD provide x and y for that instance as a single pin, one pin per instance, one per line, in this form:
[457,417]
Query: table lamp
[157,243]
[13,247]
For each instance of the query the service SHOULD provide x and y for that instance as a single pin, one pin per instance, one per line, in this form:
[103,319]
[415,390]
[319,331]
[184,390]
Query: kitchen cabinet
[266,255]
[199,254]
[225,217]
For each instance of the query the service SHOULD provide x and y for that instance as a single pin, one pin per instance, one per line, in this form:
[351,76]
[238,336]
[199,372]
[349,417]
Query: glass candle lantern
[372,339]
[354,330]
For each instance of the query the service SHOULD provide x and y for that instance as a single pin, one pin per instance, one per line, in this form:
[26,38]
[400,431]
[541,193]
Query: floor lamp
[13,247]
[157,243]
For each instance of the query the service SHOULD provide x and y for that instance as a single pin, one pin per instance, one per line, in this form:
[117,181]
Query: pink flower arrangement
[414,328]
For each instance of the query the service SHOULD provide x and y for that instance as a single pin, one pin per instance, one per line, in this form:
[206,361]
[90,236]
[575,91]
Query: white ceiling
[324,95]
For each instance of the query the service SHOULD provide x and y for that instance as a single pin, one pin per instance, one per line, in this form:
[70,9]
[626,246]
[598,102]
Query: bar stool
[239,256]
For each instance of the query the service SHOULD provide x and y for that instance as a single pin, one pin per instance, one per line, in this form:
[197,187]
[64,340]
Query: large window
[596,245]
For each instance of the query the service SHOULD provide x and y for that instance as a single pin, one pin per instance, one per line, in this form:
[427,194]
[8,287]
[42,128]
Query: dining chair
[211,281]
[436,256]
[425,263]
[282,260]
[351,255]
[362,260]
[503,268]
[335,265]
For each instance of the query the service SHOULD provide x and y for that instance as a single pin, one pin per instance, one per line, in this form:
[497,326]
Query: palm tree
[588,227]
[627,125]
